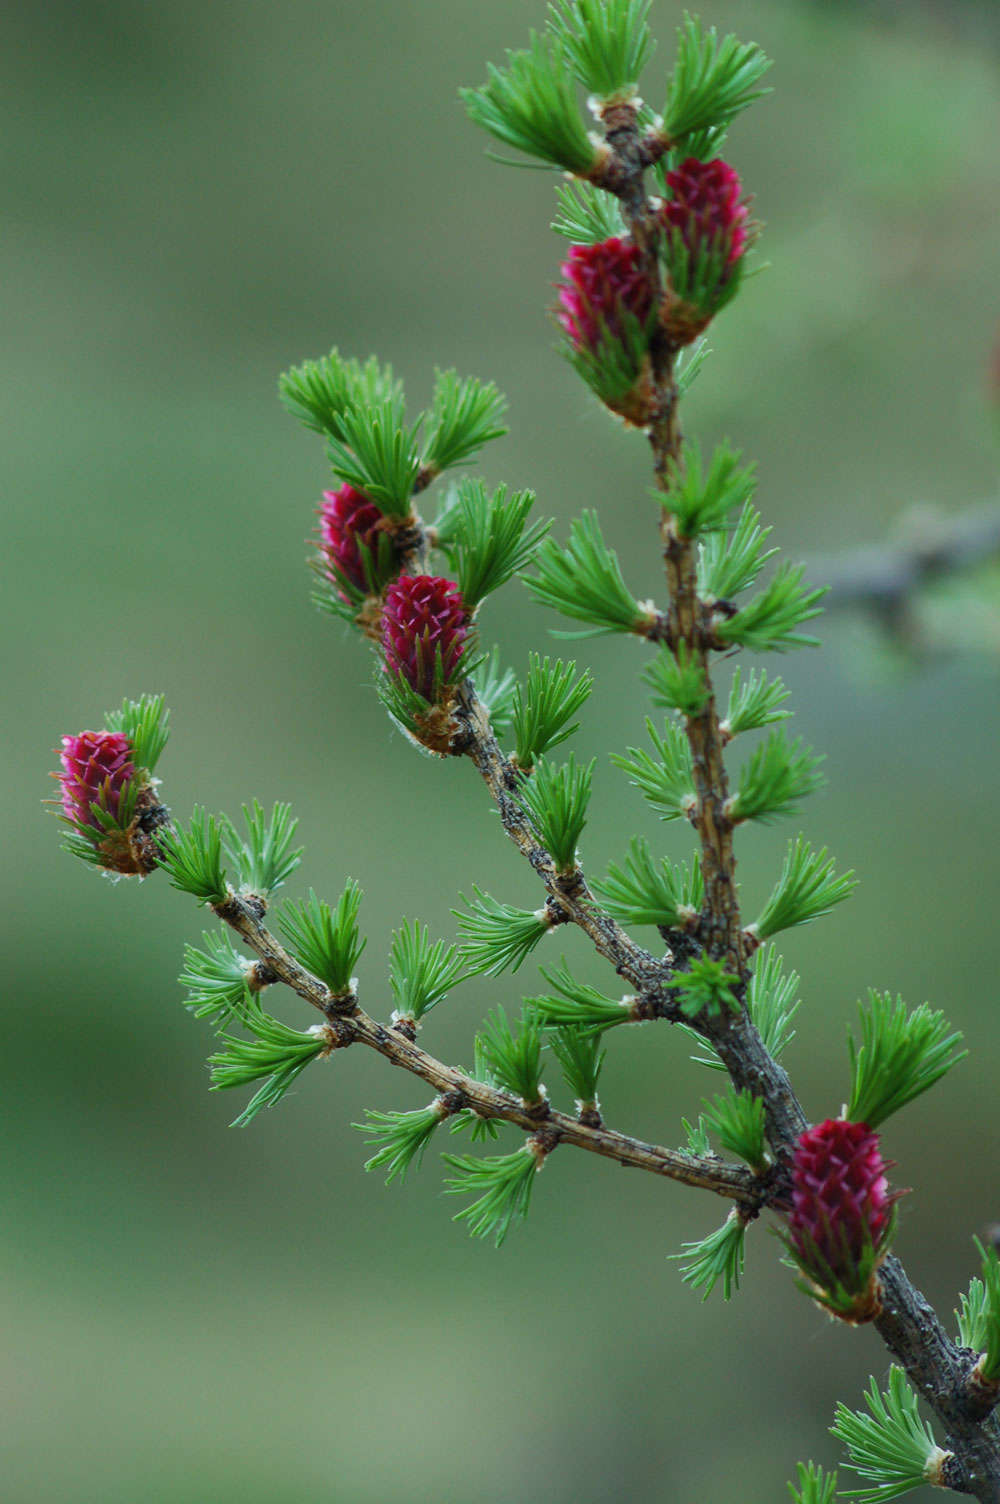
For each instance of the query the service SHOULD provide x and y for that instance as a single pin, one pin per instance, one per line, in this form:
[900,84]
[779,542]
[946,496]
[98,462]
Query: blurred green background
[197,196]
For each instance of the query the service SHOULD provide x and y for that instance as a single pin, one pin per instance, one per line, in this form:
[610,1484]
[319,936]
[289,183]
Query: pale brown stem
[568,893]
[721,930]
[349,1024]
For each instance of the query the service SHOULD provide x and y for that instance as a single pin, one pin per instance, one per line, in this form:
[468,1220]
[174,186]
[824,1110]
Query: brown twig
[568,892]
[351,1025]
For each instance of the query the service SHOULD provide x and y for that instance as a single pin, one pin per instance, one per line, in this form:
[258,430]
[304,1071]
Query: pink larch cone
[424,628]
[842,1214]
[705,207]
[99,777]
[707,235]
[603,283]
[348,522]
[97,769]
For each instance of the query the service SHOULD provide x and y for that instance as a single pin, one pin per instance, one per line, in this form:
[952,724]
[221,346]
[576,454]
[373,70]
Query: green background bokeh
[197,196]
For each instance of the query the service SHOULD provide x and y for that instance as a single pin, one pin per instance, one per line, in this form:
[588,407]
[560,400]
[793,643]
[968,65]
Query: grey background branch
[884,579]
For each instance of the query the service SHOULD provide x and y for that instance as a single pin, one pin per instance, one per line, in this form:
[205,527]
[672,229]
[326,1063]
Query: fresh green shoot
[647,892]
[505,1182]
[216,978]
[543,709]
[465,415]
[496,689]
[193,857]
[264,860]
[496,935]
[730,562]
[707,987]
[815,1486]
[584,581]
[576,1005]
[806,890]
[778,775]
[481,1128]
[892,1447]
[697,1140]
[491,543]
[768,622]
[771,1005]
[677,680]
[754,704]
[989,1366]
[555,799]
[979,1316]
[402,1137]
[689,364]
[326,940]
[737,1120]
[144,722]
[420,974]
[606,41]
[701,502]
[587,214]
[719,1256]
[378,455]
[711,83]
[531,106]
[443,531]
[971,1317]
[275,1052]
[320,392]
[771,1000]
[667,784]
[515,1059]
[581,1057]
[900,1056]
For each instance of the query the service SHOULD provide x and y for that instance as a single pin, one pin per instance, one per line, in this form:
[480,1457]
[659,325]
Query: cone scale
[706,236]
[110,805]
[842,1216]
[603,284]
[424,630]
[97,770]
[349,525]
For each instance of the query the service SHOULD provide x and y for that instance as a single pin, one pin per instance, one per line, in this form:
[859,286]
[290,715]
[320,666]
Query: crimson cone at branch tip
[424,628]
[348,523]
[97,769]
[604,285]
[842,1214]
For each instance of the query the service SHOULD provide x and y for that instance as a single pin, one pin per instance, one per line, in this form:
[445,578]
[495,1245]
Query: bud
[605,286]
[424,629]
[97,770]
[349,531]
[605,309]
[706,236]
[842,1216]
[112,809]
